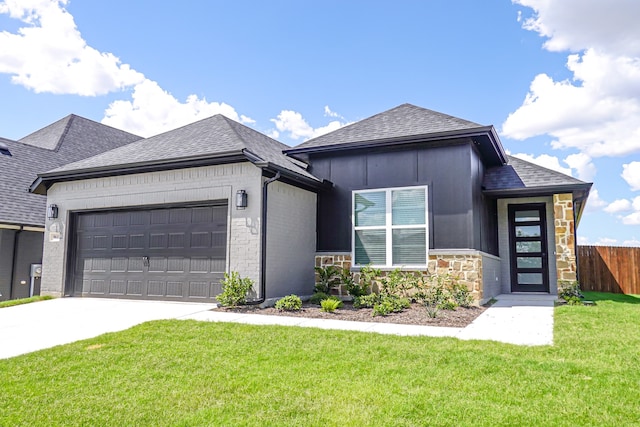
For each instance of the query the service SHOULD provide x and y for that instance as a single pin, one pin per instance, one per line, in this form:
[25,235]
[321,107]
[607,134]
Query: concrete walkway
[515,319]
[522,319]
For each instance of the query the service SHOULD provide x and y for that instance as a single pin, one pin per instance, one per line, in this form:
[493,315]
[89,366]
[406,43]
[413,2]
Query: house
[22,214]
[410,188]
[421,190]
[166,217]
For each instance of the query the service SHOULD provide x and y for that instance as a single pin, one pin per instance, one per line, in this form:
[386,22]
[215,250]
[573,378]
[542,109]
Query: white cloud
[594,202]
[606,241]
[631,219]
[581,162]
[598,111]
[631,242]
[545,160]
[631,174]
[297,127]
[617,206]
[48,54]
[153,110]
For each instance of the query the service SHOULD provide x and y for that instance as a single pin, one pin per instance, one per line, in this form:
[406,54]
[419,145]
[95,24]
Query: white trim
[388,227]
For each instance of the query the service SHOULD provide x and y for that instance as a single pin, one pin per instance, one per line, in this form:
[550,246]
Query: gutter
[263,242]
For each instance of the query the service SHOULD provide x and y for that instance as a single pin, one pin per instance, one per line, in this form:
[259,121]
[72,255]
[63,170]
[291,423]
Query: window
[390,227]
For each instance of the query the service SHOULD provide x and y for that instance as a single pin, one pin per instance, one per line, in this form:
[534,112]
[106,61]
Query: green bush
[289,303]
[397,303]
[448,304]
[234,290]
[328,278]
[383,308]
[368,277]
[317,297]
[366,301]
[354,289]
[330,304]
[570,291]
[461,295]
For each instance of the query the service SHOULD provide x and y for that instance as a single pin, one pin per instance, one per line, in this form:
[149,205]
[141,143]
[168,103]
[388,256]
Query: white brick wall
[207,183]
[291,240]
[503,240]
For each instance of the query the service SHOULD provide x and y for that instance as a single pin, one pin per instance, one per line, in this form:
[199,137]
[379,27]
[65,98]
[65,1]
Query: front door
[528,248]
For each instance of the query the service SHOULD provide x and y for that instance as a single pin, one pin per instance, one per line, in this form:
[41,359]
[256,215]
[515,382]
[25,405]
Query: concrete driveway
[30,327]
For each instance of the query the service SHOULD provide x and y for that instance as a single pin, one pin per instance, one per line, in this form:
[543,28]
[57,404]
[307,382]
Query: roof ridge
[65,131]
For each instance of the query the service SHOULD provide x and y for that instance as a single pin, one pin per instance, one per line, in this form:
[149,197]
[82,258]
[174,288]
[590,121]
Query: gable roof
[403,124]
[61,142]
[212,140]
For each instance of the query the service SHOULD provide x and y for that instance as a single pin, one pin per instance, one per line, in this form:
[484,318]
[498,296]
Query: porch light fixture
[241,199]
[52,212]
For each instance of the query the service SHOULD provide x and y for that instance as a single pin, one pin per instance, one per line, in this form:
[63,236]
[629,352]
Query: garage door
[164,254]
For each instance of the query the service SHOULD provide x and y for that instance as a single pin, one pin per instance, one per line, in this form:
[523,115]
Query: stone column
[565,239]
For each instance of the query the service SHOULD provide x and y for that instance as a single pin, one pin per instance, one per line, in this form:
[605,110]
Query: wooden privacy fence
[609,269]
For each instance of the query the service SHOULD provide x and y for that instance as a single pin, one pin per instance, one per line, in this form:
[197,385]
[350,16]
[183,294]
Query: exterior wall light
[52,212]
[241,199]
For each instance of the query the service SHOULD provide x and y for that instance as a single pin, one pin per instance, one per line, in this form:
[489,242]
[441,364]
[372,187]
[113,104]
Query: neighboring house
[421,190]
[22,214]
[408,188]
[166,217]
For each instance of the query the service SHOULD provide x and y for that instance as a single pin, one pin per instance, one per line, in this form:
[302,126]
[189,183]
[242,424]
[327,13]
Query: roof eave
[540,191]
[295,178]
[45,180]
[487,131]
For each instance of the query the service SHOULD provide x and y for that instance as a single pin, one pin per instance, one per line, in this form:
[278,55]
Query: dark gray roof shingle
[405,120]
[520,174]
[213,136]
[64,141]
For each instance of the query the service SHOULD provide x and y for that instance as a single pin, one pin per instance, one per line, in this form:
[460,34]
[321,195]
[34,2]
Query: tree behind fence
[609,269]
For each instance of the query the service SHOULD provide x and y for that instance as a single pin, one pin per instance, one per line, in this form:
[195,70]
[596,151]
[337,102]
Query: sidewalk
[514,319]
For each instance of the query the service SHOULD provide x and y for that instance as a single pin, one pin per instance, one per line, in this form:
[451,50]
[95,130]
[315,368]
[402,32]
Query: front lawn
[188,373]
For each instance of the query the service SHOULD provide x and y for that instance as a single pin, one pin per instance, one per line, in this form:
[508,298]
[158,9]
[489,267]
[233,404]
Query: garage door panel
[174,254]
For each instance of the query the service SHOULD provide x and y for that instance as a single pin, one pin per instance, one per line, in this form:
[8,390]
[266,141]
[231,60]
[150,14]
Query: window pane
[528,231]
[408,207]
[370,209]
[529,262]
[523,247]
[409,246]
[530,278]
[371,247]
[522,216]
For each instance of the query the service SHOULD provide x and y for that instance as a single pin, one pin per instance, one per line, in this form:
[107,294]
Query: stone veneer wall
[563,220]
[466,265]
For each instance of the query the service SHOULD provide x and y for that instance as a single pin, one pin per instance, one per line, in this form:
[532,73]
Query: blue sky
[560,80]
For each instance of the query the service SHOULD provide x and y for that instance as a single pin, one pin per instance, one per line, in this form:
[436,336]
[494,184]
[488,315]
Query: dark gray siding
[28,251]
[18,250]
[458,214]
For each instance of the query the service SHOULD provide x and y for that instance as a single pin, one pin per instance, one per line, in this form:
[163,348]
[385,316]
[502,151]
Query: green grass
[187,373]
[13,302]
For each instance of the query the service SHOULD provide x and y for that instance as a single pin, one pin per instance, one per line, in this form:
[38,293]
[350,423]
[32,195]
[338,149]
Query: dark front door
[176,254]
[528,248]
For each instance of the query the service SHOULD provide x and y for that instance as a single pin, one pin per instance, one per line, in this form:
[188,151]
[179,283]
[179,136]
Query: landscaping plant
[289,303]
[330,304]
[328,278]
[234,290]
[317,297]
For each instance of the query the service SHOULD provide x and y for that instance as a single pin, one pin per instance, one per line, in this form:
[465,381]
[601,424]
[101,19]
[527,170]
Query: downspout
[263,242]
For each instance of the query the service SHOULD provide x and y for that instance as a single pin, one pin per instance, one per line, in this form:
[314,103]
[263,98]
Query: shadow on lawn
[605,296]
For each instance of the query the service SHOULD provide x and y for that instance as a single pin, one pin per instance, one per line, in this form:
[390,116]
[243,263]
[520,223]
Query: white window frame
[389,227]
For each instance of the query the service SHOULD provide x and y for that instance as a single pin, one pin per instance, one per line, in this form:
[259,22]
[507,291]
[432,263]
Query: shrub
[354,289]
[330,305]
[328,278]
[397,303]
[461,295]
[317,297]
[366,301]
[570,290]
[289,303]
[234,290]
[368,277]
[398,283]
[448,304]
[383,308]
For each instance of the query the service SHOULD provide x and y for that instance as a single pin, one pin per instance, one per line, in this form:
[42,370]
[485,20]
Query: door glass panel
[370,208]
[529,262]
[523,216]
[524,247]
[528,231]
[530,278]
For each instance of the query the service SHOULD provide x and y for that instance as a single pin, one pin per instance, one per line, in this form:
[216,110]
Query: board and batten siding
[191,185]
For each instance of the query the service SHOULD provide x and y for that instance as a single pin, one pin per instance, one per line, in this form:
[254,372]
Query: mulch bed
[415,315]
